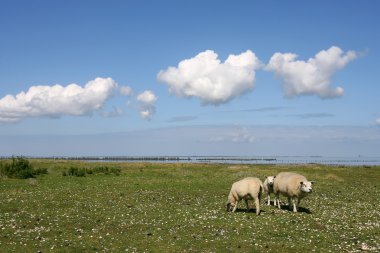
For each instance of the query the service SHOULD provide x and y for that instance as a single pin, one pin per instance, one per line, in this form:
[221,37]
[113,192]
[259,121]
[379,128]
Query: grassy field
[181,208]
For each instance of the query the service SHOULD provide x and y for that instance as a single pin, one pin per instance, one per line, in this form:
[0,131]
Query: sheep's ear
[313,182]
[274,176]
[266,177]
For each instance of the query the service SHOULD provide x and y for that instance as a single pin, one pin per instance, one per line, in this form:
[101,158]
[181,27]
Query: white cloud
[237,134]
[243,136]
[57,100]
[205,77]
[312,77]
[147,101]
[125,90]
[147,97]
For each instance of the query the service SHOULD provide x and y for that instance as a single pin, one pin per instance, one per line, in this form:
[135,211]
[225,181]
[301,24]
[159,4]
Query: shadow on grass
[244,210]
[285,207]
[299,209]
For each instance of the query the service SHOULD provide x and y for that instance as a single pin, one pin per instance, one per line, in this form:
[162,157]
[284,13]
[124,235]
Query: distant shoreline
[349,161]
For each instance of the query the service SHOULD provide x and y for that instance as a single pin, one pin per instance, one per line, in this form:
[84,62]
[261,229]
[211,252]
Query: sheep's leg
[246,203]
[233,210]
[257,203]
[278,200]
[298,203]
[268,197]
[290,203]
[295,202]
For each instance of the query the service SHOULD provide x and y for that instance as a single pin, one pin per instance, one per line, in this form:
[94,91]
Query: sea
[326,160]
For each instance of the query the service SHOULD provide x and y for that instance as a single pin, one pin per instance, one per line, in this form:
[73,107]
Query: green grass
[181,208]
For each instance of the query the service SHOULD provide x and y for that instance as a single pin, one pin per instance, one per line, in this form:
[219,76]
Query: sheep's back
[288,183]
[249,185]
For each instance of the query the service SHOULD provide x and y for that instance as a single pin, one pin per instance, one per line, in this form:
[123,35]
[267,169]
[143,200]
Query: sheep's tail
[261,191]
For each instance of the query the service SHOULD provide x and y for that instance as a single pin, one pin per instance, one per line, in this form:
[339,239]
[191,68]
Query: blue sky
[162,84]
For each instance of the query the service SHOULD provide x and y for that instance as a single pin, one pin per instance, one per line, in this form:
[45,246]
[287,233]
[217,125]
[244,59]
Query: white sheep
[292,185]
[268,187]
[248,188]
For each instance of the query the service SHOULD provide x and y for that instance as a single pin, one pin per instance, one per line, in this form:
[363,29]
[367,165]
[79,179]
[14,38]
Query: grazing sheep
[268,187]
[247,189]
[292,185]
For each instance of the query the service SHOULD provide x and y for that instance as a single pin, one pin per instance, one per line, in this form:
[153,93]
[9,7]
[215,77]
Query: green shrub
[76,172]
[79,172]
[116,171]
[107,170]
[101,170]
[40,171]
[20,168]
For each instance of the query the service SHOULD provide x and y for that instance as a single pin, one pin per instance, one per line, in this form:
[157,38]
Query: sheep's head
[230,206]
[270,180]
[306,186]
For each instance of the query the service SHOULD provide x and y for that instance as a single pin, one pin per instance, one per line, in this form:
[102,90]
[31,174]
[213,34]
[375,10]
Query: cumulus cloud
[312,77]
[57,100]
[147,101]
[206,77]
[125,90]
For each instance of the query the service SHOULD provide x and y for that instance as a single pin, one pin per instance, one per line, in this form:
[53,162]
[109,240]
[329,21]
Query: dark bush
[20,168]
[40,171]
[106,170]
[76,172]
[116,171]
